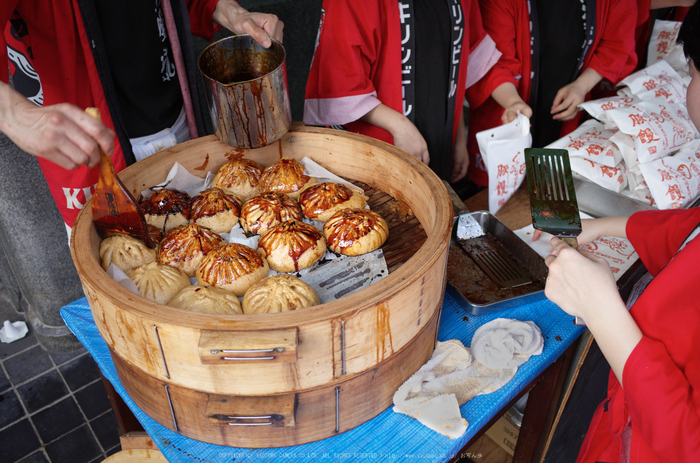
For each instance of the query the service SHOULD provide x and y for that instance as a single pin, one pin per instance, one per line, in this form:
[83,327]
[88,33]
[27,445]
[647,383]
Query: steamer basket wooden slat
[325,345]
[316,413]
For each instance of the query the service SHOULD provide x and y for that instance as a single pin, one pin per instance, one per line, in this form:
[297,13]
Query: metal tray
[468,281]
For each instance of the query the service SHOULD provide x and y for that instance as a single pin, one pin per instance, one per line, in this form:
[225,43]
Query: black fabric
[589,390]
[141,64]
[433,44]
[99,55]
[560,46]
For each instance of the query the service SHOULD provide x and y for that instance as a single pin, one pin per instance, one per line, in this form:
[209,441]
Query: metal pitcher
[246,89]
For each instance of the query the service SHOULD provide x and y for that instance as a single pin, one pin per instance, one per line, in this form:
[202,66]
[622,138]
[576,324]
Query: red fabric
[508,23]
[62,57]
[359,52]
[662,375]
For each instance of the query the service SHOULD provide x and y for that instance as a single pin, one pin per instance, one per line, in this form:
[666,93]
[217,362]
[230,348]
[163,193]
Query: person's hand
[408,138]
[511,112]
[566,101]
[406,135]
[62,133]
[260,26]
[579,282]
[508,97]
[460,162]
[592,229]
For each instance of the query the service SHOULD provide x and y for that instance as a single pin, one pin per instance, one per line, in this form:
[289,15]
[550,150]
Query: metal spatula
[553,202]
[114,209]
[552,195]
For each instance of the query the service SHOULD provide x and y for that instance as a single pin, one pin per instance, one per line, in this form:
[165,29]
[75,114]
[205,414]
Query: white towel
[450,378]
[506,343]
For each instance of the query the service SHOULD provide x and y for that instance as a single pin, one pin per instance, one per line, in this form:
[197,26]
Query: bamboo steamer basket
[347,356]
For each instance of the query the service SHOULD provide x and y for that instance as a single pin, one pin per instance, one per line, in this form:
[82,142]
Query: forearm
[11,103]
[461,135]
[405,133]
[506,95]
[656,4]
[607,226]
[226,9]
[61,133]
[588,79]
[616,333]
[385,118]
[460,155]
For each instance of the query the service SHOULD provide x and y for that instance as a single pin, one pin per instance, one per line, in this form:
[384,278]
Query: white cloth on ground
[506,343]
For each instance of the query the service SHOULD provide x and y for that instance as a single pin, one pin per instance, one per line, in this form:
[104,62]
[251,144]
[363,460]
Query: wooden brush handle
[94,113]
[571,241]
[106,167]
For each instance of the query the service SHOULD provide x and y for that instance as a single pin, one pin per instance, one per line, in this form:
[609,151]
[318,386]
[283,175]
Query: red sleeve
[614,57]
[201,22]
[661,377]
[340,87]
[348,43]
[476,27]
[660,398]
[499,22]
[643,7]
[6,10]
[657,235]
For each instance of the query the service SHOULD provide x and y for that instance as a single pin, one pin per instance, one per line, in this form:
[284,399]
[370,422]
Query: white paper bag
[625,144]
[658,127]
[662,41]
[659,80]
[503,151]
[591,140]
[597,108]
[674,181]
[611,178]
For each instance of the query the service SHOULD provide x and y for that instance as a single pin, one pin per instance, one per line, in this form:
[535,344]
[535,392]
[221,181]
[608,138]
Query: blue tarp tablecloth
[388,437]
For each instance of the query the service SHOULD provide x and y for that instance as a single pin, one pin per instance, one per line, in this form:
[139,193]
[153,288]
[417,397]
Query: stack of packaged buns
[641,143]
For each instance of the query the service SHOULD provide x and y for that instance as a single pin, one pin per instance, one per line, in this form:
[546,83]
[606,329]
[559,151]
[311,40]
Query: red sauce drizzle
[298,236]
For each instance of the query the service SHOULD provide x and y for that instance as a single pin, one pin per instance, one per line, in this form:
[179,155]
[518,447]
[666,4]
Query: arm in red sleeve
[662,374]
[340,89]
[657,235]
[201,22]
[614,57]
[499,21]
[662,403]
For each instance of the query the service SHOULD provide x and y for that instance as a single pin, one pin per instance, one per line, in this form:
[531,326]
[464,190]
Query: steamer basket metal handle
[276,411]
[248,351]
[250,346]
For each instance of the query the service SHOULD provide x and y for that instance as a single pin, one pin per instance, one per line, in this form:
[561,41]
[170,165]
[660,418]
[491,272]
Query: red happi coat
[357,63]
[61,54]
[661,397]
[645,24]
[508,22]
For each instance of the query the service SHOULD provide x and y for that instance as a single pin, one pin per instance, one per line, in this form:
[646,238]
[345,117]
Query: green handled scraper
[552,195]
